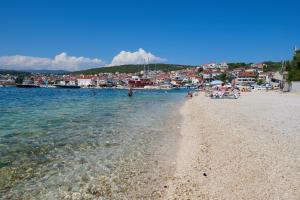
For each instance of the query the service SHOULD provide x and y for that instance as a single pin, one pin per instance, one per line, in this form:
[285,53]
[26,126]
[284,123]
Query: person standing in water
[189,94]
[130,92]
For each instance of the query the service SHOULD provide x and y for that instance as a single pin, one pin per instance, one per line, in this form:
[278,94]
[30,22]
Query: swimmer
[130,92]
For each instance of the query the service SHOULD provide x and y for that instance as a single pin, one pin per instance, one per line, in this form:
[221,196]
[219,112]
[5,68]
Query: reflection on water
[86,144]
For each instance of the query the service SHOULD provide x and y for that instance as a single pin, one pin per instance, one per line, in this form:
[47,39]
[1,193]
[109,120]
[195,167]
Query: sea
[87,143]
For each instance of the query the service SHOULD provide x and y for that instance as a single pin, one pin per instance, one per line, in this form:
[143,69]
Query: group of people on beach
[223,90]
[218,91]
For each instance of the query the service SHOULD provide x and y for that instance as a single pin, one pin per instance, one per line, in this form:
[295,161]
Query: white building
[264,76]
[222,65]
[195,80]
[245,80]
[85,82]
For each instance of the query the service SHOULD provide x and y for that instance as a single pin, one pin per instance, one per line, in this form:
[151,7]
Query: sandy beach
[239,149]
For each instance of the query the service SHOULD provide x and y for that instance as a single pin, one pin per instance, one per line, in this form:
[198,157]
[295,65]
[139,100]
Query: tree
[236,65]
[272,66]
[19,79]
[296,60]
[260,82]
[223,77]
[293,67]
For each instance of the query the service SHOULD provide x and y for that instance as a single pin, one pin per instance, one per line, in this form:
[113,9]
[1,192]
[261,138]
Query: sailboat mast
[144,73]
[148,64]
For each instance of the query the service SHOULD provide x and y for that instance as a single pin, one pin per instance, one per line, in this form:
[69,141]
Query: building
[236,72]
[264,76]
[246,78]
[7,80]
[211,74]
[222,66]
[85,82]
[259,67]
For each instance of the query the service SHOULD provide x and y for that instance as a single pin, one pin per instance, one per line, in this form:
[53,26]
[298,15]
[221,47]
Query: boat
[47,86]
[68,86]
[151,87]
[165,87]
[28,84]
[137,82]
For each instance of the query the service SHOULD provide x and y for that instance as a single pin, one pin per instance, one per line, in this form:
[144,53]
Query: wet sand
[247,148]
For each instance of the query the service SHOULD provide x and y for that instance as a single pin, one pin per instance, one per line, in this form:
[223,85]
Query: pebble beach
[246,148]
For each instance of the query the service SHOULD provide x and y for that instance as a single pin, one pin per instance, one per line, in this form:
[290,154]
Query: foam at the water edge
[82,146]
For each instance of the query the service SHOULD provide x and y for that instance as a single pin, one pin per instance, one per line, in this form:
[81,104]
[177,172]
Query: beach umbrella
[216,82]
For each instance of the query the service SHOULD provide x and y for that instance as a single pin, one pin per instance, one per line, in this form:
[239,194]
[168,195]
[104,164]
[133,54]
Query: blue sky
[183,32]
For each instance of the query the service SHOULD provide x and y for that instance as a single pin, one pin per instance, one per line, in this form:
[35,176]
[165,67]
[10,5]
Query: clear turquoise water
[87,143]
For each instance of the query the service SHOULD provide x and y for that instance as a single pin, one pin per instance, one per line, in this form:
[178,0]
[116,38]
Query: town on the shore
[192,77]
[238,75]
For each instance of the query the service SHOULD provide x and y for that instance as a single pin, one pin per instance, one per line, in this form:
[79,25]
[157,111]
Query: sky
[77,34]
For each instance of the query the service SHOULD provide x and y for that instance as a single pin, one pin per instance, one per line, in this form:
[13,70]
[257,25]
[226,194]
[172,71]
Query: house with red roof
[246,78]
[259,66]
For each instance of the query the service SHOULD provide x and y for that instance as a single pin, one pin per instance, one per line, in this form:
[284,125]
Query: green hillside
[271,66]
[14,73]
[132,68]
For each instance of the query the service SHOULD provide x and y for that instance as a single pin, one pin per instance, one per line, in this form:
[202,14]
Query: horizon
[55,35]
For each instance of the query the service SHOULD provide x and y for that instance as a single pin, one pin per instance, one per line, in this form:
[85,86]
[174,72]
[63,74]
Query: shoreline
[238,149]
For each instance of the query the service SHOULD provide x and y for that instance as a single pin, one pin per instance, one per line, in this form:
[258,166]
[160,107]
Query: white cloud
[138,57]
[63,61]
[60,62]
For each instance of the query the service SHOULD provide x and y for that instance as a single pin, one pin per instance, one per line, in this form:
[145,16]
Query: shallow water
[87,143]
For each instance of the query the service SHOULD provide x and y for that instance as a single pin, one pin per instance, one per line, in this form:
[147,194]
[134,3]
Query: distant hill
[30,72]
[238,64]
[45,71]
[132,68]
[271,66]
[14,72]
